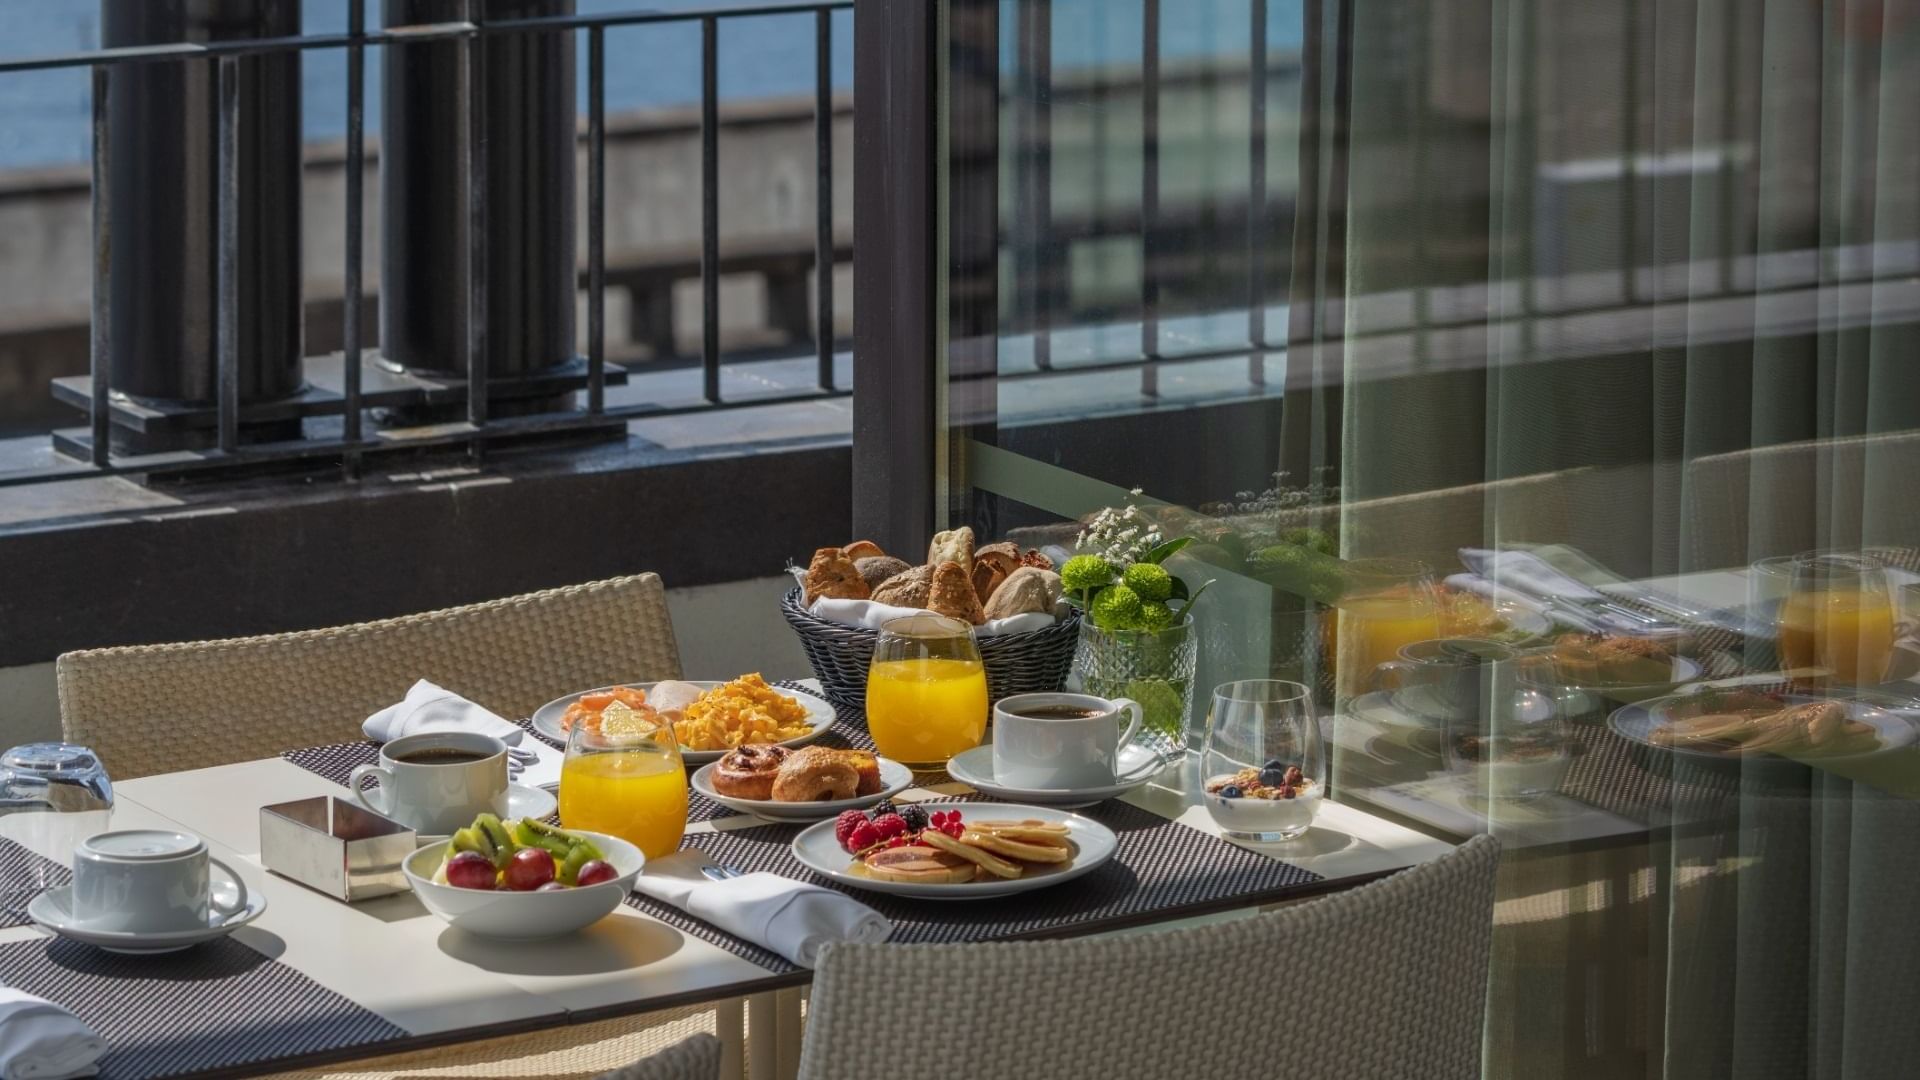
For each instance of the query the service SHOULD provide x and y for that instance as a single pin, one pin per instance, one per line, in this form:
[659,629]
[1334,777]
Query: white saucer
[522,802]
[533,802]
[974,768]
[52,910]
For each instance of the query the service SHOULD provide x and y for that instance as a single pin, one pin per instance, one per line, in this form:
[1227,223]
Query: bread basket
[1035,662]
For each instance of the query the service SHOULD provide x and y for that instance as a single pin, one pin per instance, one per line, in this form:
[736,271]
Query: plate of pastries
[976,583]
[955,851]
[1745,723]
[809,783]
[709,718]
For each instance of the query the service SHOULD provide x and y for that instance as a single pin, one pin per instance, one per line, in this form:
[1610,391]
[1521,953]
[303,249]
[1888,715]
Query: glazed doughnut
[748,772]
[815,774]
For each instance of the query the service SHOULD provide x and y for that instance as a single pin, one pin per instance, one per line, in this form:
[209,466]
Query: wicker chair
[1388,980]
[696,1058]
[162,708]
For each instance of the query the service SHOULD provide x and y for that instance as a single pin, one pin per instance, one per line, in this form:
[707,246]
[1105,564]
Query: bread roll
[908,588]
[876,569]
[952,594]
[955,546]
[991,565]
[1028,589]
[862,549]
[832,574]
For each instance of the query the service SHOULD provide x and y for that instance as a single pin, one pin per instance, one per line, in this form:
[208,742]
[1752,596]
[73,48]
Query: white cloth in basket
[872,616]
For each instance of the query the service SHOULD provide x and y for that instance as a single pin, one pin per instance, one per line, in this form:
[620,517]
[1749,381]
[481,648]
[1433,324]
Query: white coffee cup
[149,881]
[435,797]
[1061,741]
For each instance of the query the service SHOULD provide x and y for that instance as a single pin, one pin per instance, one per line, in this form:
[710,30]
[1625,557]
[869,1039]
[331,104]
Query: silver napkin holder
[335,847]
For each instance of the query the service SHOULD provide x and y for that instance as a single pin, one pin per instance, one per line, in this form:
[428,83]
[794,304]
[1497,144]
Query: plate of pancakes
[995,850]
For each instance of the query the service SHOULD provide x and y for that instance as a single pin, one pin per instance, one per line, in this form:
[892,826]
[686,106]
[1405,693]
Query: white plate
[816,848]
[894,778]
[524,916]
[546,720]
[53,910]
[974,768]
[1638,722]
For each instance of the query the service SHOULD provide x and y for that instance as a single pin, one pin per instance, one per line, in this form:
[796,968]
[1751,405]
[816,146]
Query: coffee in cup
[435,782]
[1061,741]
[150,881]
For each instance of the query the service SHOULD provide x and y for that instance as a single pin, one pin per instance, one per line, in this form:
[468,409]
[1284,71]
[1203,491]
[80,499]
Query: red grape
[529,869]
[470,870]
[595,871]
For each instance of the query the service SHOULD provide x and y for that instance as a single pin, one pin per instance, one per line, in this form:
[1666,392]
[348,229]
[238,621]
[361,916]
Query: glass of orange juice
[1836,623]
[926,691]
[1388,604]
[625,777]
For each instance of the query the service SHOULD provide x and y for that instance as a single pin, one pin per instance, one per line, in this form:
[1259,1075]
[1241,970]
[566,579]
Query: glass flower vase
[1153,667]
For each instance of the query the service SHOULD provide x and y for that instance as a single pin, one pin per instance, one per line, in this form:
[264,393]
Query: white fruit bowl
[524,916]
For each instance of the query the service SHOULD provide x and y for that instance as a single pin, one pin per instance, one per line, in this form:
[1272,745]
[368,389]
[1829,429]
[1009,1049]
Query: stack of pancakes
[1001,849]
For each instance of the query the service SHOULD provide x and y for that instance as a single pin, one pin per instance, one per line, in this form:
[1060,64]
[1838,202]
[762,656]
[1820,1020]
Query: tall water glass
[1836,623]
[1388,604]
[926,691]
[52,796]
[626,781]
[1262,765]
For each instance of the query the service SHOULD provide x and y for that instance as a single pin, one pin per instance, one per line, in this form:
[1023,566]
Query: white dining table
[397,960]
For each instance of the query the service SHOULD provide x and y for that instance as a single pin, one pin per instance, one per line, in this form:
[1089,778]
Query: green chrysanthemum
[1083,572]
[1117,608]
[1155,615]
[1152,582]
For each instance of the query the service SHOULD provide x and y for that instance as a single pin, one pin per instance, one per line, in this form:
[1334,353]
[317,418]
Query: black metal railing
[98,454]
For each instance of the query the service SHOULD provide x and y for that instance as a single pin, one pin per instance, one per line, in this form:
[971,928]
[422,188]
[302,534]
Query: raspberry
[844,825]
[889,825]
[863,837]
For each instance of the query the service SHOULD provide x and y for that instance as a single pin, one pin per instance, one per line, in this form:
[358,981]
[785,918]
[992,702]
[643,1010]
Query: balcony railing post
[513,215]
[162,266]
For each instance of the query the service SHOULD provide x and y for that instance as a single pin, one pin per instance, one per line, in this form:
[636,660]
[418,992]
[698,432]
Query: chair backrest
[1387,980]
[162,708]
[697,1057]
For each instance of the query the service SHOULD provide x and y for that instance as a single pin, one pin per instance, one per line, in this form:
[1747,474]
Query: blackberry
[915,818]
[885,807]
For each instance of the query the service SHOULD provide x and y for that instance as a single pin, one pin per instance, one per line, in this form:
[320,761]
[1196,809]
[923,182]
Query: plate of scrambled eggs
[709,718]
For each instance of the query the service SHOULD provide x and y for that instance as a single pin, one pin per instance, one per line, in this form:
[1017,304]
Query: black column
[163,129]
[528,103]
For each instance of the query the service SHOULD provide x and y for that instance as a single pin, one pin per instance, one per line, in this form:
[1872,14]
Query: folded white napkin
[42,1041]
[1474,583]
[428,707]
[873,616]
[1527,572]
[788,917]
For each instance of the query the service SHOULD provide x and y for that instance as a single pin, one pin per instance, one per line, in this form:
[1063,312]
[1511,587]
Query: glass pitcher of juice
[926,691]
[1387,605]
[626,778]
[1837,619]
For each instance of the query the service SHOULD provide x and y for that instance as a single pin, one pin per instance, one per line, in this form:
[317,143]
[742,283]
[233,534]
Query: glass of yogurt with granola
[1262,761]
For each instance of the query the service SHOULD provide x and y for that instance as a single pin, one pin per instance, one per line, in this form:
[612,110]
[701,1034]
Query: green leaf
[1179,590]
[1166,551]
[1182,613]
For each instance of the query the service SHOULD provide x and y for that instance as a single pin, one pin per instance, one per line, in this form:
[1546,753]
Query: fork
[719,873]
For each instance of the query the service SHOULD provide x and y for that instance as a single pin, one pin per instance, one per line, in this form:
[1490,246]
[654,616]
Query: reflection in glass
[1836,623]
[1389,603]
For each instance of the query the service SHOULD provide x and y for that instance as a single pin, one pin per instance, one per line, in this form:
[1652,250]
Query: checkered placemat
[216,1006]
[22,875]
[1161,866]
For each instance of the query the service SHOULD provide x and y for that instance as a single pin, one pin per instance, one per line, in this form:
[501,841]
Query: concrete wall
[724,630]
